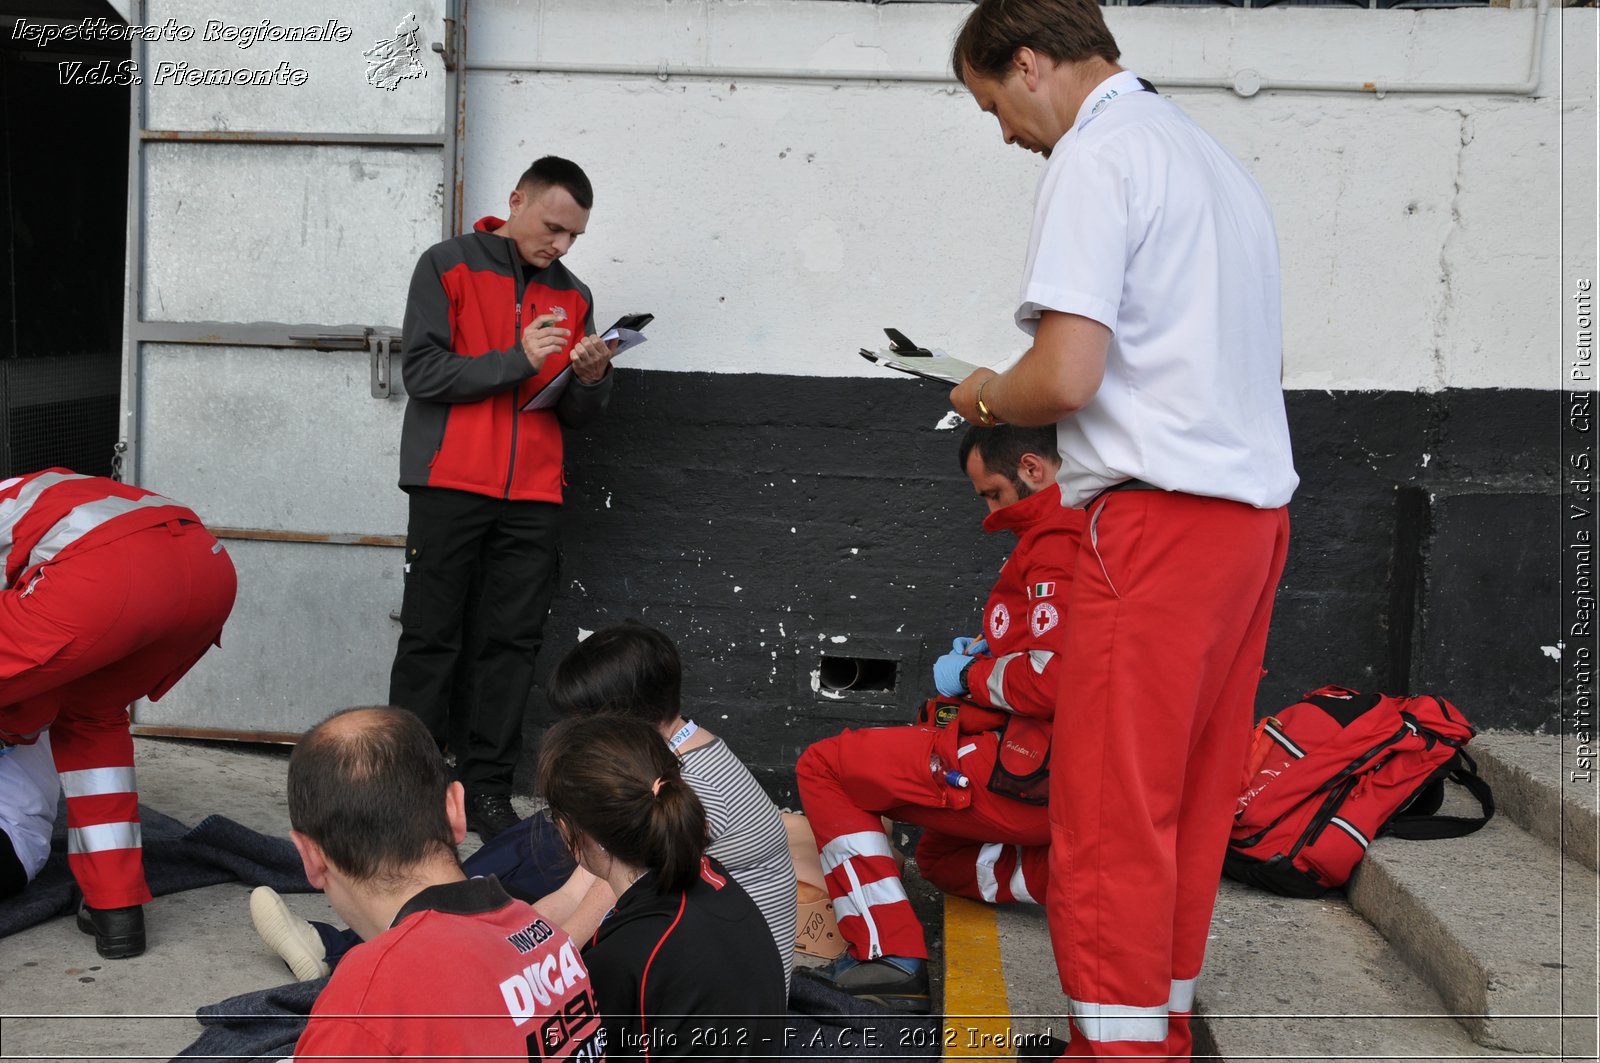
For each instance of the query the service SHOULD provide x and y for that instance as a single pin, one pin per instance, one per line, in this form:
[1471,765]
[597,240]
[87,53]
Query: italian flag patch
[1043,590]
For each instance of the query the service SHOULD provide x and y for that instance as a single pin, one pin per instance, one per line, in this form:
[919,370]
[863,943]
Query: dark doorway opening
[63,233]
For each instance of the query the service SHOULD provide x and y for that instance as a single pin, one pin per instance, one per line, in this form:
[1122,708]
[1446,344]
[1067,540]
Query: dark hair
[563,173]
[1064,30]
[1001,449]
[367,785]
[628,669]
[614,779]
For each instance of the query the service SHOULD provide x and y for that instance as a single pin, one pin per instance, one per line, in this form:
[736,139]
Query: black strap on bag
[1426,827]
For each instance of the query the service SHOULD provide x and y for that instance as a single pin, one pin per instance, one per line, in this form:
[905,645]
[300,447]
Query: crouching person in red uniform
[108,593]
[451,967]
[982,837]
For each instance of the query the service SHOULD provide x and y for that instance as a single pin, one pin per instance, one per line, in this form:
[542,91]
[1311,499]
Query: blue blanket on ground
[264,1025]
[176,858]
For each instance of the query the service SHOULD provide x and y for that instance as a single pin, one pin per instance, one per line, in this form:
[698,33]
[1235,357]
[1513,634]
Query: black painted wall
[757,518]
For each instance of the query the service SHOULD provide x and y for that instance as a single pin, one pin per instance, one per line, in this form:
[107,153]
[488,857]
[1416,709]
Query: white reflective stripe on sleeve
[84,519]
[1348,828]
[988,885]
[1182,998]
[964,750]
[1119,1022]
[1019,884]
[102,837]
[88,782]
[866,843]
[1040,659]
[997,681]
[13,509]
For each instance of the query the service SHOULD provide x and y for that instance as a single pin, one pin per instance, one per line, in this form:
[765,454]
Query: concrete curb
[1498,924]
[1533,786]
[1308,979]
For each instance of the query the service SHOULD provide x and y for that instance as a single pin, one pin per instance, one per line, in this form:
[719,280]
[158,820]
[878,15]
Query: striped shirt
[747,837]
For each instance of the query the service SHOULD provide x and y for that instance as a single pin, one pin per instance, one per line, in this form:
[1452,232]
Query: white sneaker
[285,933]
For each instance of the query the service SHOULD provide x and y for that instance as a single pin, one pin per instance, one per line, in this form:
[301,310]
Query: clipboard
[907,357]
[627,333]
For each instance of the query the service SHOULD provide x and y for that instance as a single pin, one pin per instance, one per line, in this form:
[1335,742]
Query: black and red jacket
[467,378]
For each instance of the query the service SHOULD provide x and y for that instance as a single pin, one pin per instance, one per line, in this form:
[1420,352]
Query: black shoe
[879,981]
[118,932]
[489,814]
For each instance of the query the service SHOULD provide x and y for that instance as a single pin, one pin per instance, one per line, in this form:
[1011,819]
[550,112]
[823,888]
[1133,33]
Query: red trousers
[1166,629]
[87,635]
[849,780]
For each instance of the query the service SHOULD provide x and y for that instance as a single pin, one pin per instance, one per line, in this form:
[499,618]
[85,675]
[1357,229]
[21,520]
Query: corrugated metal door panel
[273,229]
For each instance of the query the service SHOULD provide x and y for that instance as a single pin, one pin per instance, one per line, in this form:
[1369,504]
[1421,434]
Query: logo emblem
[1043,618]
[999,620]
[392,61]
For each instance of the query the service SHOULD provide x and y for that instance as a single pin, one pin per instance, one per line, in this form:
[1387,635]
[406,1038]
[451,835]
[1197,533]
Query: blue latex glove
[947,669]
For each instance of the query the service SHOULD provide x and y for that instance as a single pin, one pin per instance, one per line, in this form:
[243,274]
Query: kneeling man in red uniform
[985,828]
[108,593]
[450,967]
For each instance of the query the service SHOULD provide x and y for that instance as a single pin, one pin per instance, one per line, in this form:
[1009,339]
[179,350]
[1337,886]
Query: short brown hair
[367,785]
[1064,30]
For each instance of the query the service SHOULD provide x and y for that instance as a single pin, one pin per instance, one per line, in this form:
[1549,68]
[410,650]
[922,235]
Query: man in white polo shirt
[1151,291]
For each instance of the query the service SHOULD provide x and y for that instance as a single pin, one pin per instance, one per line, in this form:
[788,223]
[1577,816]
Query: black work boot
[489,814]
[118,932]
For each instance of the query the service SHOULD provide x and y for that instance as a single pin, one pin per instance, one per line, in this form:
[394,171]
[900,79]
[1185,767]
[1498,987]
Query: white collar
[1121,83]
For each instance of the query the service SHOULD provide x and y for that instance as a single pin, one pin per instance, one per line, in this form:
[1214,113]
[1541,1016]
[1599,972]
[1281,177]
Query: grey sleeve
[581,403]
[431,369]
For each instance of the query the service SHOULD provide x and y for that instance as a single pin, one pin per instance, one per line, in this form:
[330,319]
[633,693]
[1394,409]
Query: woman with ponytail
[685,965]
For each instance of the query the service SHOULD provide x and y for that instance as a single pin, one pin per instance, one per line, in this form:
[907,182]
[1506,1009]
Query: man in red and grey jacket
[493,320]
[108,593]
[1005,681]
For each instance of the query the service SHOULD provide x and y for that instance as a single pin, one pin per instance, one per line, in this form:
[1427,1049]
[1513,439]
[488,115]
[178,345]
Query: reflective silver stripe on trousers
[88,782]
[866,843]
[1019,884]
[13,509]
[859,901]
[1039,659]
[1119,1022]
[102,837]
[997,681]
[988,856]
[1182,998]
[1123,1022]
[84,519]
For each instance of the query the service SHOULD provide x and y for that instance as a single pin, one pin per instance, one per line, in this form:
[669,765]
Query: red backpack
[1337,769]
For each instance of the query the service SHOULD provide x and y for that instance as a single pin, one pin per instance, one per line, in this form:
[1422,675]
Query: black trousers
[480,575]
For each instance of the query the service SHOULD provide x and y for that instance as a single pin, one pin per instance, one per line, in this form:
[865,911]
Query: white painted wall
[773,225]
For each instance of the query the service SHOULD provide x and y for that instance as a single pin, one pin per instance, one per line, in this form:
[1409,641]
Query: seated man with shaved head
[451,967]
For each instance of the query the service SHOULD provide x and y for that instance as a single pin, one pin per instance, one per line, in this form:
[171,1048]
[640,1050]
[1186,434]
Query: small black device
[632,322]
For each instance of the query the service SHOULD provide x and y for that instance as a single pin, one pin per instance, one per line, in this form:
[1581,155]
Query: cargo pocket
[28,638]
[412,609]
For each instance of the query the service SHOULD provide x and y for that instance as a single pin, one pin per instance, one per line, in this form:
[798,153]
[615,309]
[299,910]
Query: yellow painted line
[977,1011]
